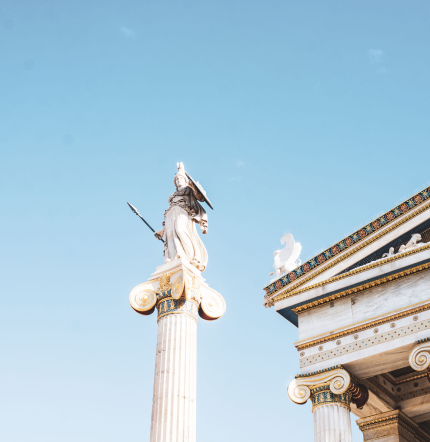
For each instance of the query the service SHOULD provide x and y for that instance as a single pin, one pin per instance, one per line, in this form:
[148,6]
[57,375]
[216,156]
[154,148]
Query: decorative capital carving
[164,282]
[172,306]
[419,358]
[331,385]
[177,290]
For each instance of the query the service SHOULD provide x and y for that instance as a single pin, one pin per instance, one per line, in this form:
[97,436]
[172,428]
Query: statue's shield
[201,190]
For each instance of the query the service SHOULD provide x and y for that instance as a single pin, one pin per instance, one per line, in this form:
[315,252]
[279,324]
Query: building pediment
[375,253]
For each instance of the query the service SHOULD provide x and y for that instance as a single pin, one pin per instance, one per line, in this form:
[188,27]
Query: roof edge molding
[345,248]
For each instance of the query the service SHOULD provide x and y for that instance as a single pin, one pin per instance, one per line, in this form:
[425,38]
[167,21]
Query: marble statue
[389,254]
[179,233]
[287,258]
[414,242]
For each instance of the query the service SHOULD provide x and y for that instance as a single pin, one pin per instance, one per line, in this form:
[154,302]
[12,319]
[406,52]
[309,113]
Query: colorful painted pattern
[163,295]
[349,241]
[327,397]
[362,344]
[172,306]
[421,341]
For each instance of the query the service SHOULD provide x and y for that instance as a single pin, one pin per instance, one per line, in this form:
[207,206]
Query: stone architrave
[180,295]
[331,390]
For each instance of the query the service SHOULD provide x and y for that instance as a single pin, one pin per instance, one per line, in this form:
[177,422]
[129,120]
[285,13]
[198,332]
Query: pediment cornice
[351,245]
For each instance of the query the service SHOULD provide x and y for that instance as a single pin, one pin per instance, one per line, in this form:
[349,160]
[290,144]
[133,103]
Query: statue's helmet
[180,173]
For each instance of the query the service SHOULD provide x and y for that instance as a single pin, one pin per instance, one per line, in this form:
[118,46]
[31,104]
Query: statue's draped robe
[180,234]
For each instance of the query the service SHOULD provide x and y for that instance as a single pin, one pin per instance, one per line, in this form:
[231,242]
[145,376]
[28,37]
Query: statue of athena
[179,233]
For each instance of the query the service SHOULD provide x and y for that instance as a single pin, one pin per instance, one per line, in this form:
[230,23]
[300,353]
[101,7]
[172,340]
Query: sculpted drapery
[179,233]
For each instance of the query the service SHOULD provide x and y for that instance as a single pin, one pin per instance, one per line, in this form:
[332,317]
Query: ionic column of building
[331,391]
[180,295]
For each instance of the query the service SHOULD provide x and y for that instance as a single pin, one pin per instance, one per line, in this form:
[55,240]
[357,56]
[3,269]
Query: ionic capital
[331,385]
[177,289]
[419,358]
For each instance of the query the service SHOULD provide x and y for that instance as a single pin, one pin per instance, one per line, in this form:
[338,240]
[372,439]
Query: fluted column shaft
[332,422]
[174,399]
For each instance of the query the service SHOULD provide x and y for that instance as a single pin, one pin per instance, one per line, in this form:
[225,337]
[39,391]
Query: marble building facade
[362,310]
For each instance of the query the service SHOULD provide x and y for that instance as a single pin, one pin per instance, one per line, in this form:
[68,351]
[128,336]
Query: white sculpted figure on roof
[179,233]
[287,258]
[413,243]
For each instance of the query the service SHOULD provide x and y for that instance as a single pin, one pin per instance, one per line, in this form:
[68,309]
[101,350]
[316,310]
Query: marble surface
[371,303]
[367,342]
[397,427]
[373,361]
[374,405]
[174,398]
[332,423]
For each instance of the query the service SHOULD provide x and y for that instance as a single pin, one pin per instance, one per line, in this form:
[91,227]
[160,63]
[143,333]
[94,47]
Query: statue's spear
[140,216]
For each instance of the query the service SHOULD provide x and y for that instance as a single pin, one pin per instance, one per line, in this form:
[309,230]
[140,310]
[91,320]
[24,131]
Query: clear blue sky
[306,117]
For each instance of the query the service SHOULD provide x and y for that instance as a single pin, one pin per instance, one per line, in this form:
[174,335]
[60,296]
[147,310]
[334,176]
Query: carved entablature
[177,288]
[332,385]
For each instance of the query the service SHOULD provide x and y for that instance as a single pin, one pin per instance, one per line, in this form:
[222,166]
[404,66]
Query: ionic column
[331,391]
[180,296]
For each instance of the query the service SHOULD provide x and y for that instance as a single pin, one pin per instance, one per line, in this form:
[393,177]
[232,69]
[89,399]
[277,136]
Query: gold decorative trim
[394,419]
[361,288]
[393,381]
[370,266]
[164,281]
[376,423]
[363,327]
[348,253]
